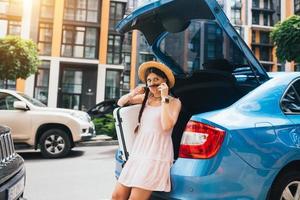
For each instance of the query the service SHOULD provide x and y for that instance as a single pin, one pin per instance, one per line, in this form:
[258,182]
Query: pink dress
[151,157]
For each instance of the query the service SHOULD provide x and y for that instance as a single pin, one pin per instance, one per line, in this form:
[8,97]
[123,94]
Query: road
[87,174]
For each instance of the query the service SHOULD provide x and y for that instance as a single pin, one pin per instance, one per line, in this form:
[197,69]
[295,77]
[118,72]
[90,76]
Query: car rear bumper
[15,185]
[227,178]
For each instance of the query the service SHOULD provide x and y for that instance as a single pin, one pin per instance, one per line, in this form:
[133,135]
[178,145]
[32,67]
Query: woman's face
[153,81]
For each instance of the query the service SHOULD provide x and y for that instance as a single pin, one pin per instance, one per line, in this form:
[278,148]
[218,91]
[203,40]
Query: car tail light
[200,141]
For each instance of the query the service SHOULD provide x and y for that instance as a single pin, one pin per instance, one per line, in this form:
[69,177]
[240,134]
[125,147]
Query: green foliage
[18,58]
[286,36]
[105,126]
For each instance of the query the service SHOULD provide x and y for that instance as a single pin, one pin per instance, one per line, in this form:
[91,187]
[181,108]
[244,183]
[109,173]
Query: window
[236,16]
[255,17]
[9,84]
[255,3]
[297,7]
[265,53]
[45,39]
[112,87]
[265,37]
[10,27]
[42,82]
[114,49]
[253,36]
[117,11]
[82,10]
[7,101]
[80,42]
[290,102]
[266,19]
[47,9]
[266,4]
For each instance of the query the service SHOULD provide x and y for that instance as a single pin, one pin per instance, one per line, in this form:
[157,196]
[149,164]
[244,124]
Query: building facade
[83,57]
[85,61]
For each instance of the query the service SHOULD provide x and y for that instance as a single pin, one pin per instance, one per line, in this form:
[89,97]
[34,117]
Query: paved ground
[87,174]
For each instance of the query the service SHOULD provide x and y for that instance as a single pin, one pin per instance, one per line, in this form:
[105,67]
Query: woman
[151,157]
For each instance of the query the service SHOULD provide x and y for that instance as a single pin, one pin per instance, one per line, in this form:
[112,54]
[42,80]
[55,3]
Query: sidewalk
[99,140]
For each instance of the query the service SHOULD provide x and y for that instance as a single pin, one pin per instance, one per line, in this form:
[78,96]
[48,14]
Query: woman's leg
[121,192]
[139,194]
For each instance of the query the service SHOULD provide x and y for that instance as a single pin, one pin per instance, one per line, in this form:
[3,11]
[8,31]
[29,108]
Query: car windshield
[32,100]
[204,45]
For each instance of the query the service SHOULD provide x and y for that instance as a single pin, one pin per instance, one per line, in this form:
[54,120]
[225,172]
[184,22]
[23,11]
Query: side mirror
[20,105]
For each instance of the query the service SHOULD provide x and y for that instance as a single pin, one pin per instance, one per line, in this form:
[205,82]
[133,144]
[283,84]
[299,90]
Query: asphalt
[99,140]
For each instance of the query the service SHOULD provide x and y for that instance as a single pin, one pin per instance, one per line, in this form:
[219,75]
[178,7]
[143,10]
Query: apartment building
[83,57]
[84,60]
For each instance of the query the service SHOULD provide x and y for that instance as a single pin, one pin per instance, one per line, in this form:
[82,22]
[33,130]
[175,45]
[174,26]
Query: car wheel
[286,186]
[55,143]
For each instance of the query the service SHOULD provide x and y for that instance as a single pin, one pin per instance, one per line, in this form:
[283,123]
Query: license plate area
[16,189]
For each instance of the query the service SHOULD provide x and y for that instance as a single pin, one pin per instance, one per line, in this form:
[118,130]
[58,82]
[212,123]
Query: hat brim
[153,64]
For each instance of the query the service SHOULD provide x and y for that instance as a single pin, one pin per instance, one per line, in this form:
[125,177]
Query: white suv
[55,131]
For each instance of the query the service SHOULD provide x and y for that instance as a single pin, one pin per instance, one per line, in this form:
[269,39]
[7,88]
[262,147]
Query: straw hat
[153,64]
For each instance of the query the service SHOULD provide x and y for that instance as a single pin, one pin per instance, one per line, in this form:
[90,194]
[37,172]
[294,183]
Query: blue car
[238,133]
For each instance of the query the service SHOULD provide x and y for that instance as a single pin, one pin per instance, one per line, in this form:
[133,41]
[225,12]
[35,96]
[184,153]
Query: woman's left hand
[164,89]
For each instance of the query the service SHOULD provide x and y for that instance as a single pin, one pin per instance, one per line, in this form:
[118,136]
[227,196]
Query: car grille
[7,150]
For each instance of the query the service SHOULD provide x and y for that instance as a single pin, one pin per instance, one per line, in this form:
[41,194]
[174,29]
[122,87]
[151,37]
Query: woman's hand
[138,90]
[164,90]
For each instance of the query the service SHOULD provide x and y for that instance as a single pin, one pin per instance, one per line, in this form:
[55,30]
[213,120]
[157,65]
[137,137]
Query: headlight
[82,116]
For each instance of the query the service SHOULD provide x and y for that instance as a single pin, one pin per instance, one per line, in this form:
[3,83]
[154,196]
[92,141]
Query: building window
[112,87]
[266,19]
[266,4]
[45,39]
[253,36]
[236,16]
[255,17]
[41,84]
[297,7]
[255,3]
[114,51]
[79,42]
[82,10]
[117,11]
[11,7]
[265,53]
[8,84]
[265,37]
[14,28]
[47,9]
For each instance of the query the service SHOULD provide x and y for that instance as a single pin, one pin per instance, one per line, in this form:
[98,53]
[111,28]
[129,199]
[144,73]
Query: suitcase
[126,119]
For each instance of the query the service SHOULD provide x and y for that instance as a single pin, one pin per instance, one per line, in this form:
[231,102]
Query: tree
[18,58]
[286,36]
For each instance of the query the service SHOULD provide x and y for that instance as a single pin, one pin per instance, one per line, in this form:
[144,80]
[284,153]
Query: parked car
[55,131]
[103,108]
[237,136]
[12,176]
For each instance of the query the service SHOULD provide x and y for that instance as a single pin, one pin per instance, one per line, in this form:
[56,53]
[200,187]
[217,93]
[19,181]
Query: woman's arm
[134,97]
[169,113]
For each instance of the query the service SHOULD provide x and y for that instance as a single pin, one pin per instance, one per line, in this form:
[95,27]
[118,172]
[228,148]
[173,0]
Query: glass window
[297,6]
[41,85]
[7,101]
[255,3]
[82,10]
[47,9]
[290,102]
[255,18]
[117,11]
[266,19]
[10,27]
[112,87]
[114,50]
[264,37]
[236,16]
[9,84]
[265,54]
[45,39]
[79,42]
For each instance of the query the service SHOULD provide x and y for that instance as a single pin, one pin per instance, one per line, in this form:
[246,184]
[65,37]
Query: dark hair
[158,72]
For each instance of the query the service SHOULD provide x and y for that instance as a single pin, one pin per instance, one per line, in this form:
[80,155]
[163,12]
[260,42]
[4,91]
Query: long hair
[147,91]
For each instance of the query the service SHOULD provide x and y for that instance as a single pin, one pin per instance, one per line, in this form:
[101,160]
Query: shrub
[105,126]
